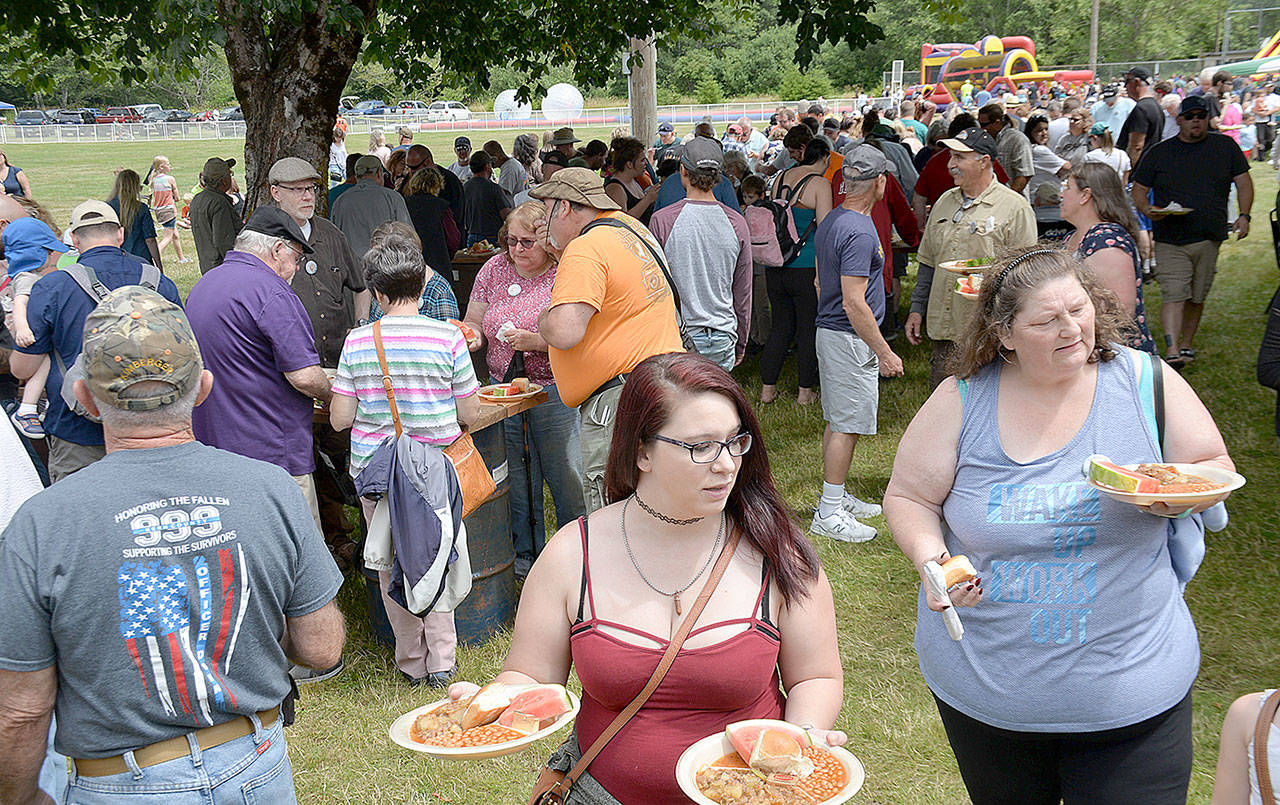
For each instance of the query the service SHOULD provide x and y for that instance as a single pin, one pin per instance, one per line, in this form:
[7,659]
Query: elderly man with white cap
[56,312]
[612,306]
[852,353]
[331,286]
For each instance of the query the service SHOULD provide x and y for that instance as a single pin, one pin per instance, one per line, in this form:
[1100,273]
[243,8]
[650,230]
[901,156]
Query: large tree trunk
[288,85]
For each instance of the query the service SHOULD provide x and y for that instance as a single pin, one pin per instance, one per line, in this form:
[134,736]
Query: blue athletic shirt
[1082,627]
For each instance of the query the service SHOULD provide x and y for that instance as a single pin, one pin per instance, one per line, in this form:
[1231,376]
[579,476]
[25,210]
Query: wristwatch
[1245,215]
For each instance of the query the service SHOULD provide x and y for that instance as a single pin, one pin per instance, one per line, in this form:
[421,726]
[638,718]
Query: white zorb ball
[506,107]
[563,103]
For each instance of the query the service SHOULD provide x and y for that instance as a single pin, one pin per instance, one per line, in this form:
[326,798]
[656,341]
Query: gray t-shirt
[158,581]
[708,248]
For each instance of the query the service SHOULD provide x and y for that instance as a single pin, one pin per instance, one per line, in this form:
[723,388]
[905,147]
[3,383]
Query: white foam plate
[714,747]
[1233,481]
[399,733]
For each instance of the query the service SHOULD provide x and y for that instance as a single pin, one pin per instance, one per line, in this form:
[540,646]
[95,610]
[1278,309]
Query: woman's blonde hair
[377,139]
[1007,284]
[125,193]
[424,180]
[527,215]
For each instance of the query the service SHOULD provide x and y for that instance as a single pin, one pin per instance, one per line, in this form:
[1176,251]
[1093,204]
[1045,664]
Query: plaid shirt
[438,302]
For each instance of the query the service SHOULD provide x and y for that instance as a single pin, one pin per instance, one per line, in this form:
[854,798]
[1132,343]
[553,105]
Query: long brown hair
[1108,194]
[754,505]
[1007,284]
[125,193]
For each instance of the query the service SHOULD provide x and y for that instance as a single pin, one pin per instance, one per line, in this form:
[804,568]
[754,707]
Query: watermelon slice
[771,747]
[535,708]
[1113,476]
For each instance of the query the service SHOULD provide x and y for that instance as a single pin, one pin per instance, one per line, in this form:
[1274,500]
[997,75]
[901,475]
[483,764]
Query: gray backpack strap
[88,281]
[150,277]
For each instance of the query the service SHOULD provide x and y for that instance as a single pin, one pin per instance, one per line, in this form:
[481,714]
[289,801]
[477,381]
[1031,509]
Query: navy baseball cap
[26,243]
[666,128]
[972,139]
[1191,103]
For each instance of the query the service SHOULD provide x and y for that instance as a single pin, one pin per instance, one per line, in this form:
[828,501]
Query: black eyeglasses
[523,243]
[1195,115]
[707,452]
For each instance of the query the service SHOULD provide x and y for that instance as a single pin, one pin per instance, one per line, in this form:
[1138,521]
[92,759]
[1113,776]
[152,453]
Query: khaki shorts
[849,373]
[308,486]
[598,415]
[1185,272]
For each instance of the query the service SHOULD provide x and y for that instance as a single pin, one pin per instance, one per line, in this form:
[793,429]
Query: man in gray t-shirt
[709,249]
[161,592]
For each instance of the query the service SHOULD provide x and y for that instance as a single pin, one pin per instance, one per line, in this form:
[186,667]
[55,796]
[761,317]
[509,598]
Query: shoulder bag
[552,787]
[1260,732]
[474,479]
[685,339]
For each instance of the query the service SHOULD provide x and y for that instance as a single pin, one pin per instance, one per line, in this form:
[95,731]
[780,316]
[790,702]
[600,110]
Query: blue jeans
[555,456]
[248,770]
[716,345]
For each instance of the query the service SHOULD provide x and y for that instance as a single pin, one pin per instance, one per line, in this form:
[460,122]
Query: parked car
[32,117]
[119,114]
[232,113]
[74,117]
[448,110]
[146,108]
[369,108]
[177,116]
[156,115]
[347,103]
[411,108]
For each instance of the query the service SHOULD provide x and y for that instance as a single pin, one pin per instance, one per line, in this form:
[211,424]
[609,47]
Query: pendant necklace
[675,596]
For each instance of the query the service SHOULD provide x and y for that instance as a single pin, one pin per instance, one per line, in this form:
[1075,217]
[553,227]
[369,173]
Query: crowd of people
[629,280]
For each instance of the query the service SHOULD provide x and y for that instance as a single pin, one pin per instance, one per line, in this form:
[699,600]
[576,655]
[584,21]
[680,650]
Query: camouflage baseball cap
[135,334]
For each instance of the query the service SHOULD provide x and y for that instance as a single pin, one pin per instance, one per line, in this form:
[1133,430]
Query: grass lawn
[339,746]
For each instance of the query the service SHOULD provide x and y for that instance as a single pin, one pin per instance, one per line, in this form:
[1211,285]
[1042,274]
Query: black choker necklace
[664,518]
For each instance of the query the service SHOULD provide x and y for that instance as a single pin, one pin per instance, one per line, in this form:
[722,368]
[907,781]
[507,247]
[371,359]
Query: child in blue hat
[32,251]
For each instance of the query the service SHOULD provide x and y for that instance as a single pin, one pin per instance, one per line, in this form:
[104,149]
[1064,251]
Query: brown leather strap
[664,665]
[1260,732]
[174,748]
[386,376]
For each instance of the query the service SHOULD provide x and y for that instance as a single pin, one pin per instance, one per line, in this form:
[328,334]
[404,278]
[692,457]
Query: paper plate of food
[973,265]
[1172,484]
[763,760]
[480,248]
[517,389]
[1172,208]
[498,720]
[968,285]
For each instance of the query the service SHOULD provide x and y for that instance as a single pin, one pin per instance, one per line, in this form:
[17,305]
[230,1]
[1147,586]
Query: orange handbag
[474,478]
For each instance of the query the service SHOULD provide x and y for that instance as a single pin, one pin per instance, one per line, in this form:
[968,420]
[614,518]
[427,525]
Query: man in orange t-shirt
[611,307]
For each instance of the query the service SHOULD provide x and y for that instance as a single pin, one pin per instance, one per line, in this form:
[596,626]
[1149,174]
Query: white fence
[683,116]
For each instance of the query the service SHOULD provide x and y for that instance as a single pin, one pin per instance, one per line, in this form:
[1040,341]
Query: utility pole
[1093,39]
[642,89]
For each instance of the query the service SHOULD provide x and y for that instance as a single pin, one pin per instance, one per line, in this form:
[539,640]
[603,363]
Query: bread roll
[959,570]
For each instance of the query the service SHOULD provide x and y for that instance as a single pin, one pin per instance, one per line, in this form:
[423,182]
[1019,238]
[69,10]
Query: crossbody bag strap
[668,657]
[657,256]
[386,376]
[1260,732]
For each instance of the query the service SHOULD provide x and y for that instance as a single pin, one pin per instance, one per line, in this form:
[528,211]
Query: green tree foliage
[708,90]
[809,84]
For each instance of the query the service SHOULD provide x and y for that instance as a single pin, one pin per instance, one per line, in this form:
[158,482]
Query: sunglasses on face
[1195,115]
[523,243]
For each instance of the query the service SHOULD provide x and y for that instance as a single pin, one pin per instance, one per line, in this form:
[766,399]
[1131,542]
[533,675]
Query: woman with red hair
[687,469]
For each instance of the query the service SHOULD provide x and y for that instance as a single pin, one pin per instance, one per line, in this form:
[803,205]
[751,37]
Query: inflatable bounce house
[1265,62]
[993,63]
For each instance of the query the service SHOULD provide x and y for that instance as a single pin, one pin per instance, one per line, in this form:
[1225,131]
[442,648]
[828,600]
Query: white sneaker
[842,526]
[859,508]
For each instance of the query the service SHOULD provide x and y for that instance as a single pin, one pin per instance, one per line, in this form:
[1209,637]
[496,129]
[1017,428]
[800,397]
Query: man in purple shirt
[256,338]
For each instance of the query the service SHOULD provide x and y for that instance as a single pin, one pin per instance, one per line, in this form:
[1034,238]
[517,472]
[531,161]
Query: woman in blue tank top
[1073,677]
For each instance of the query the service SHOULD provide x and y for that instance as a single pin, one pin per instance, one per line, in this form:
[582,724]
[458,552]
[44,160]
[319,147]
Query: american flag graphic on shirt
[180,626]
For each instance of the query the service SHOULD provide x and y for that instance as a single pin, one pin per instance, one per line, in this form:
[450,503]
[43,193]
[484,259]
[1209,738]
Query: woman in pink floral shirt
[512,288]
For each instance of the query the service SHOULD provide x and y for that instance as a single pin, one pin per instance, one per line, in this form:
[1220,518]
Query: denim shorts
[251,769]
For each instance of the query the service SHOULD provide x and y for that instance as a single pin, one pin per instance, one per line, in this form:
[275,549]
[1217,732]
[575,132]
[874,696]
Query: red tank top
[706,689]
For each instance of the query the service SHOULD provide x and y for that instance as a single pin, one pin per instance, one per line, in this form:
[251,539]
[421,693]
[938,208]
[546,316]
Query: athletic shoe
[28,425]
[305,676]
[842,526]
[435,679]
[859,508]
